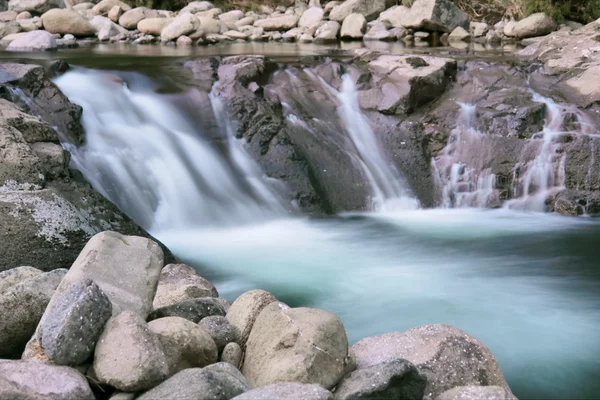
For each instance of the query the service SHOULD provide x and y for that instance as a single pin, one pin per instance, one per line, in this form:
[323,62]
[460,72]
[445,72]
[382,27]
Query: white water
[500,275]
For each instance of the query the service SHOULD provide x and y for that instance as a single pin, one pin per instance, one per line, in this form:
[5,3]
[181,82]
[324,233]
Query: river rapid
[526,283]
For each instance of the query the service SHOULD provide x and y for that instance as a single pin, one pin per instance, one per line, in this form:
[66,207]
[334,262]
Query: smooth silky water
[527,284]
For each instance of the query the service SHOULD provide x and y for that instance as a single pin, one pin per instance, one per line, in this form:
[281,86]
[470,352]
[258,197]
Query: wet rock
[370,9]
[436,16]
[65,21]
[311,17]
[398,379]
[295,344]
[33,41]
[22,305]
[219,328]
[74,323]
[279,23]
[327,33]
[354,26]
[287,391]
[34,6]
[16,275]
[537,24]
[193,310]
[154,26]
[245,310]
[477,392]
[104,6]
[184,24]
[186,344]
[446,355]
[41,381]
[128,355]
[130,19]
[198,383]
[232,354]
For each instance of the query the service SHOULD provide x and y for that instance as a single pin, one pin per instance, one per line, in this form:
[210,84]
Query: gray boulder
[245,309]
[232,354]
[193,310]
[398,379]
[448,357]
[196,383]
[128,355]
[186,344]
[537,24]
[287,391]
[379,31]
[14,276]
[40,381]
[179,282]
[435,15]
[354,26]
[296,345]
[33,41]
[9,28]
[105,28]
[220,329]
[74,323]
[327,33]
[370,9]
[394,16]
[35,6]
[311,17]
[22,306]
[477,393]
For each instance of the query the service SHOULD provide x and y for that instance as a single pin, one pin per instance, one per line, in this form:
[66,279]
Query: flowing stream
[526,284]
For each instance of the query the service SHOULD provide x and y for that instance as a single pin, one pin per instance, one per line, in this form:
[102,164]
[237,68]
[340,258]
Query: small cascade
[159,165]
[536,180]
[463,185]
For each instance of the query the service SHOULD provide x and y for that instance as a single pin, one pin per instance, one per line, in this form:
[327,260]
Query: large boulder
[196,383]
[327,33]
[33,41]
[287,391]
[129,356]
[370,9]
[394,16]
[186,344]
[537,24]
[9,28]
[65,21]
[296,345]
[105,28]
[130,19]
[278,23]
[104,6]
[74,323]
[436,15]
[34,6]
[154,26]
[220,329]
[184,24]
[311,17]
[193,310]
[354,27]
[13,276]
[398,379]
[180,282]
[22,305]
[448,357]
[245,310]
[41,381]
[478,393]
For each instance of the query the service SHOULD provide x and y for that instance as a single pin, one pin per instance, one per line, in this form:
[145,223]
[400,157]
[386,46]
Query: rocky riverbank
[48,25]
[120,324]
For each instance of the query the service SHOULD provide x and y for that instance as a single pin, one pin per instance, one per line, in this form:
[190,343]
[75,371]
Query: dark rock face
[74,323]
[47,211]
[193,310]
[398,379]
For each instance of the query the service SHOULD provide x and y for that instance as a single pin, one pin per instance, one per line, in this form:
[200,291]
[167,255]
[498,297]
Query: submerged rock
[446,355]
[296,345]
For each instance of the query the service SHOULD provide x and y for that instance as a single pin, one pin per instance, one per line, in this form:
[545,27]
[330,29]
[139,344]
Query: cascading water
[146,157]
[505,277]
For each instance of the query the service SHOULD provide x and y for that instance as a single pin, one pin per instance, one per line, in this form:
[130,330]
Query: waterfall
[147,156]
[389,188]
